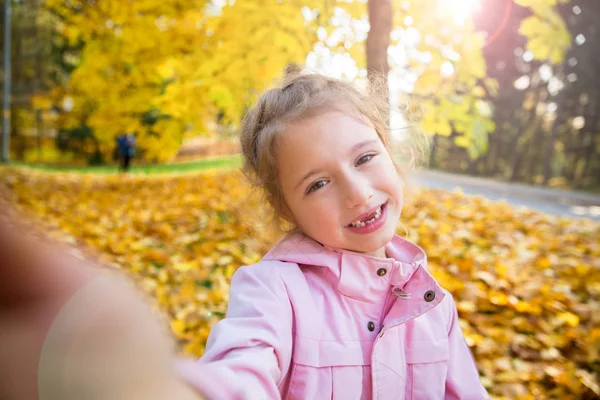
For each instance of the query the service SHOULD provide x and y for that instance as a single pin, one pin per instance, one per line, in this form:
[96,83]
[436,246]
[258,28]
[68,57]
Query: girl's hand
[71,330]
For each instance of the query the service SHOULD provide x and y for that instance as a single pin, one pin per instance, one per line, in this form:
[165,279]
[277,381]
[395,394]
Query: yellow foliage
[549,38]
[187,61]
[444,42]
[193,61]
[527,285]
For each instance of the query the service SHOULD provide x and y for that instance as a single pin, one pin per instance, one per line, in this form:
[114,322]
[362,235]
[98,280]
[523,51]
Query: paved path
[546,200]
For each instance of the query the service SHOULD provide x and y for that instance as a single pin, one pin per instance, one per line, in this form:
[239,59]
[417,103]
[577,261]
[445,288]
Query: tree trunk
[592,128]
[596,171]
[589,152]
[550,143]
[533,157]
[36,80]
[433,152]
[378,41]
[519,146]
[490,165]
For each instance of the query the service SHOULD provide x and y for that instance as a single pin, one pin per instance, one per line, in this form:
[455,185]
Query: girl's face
[339,183]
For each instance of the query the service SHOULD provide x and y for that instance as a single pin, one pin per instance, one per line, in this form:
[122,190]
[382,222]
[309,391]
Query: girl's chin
[373,244]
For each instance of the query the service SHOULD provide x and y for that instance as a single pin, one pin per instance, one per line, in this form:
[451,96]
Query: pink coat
[312,322]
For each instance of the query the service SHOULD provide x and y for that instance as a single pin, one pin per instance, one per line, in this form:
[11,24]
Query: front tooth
[360,224]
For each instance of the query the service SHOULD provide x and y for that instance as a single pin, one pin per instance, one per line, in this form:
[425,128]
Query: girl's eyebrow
[360,145]
[305,177]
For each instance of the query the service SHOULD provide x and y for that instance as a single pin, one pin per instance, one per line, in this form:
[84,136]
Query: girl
[340,308]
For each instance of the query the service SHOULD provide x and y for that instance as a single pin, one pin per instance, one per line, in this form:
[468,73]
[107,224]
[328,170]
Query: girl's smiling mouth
[369,221]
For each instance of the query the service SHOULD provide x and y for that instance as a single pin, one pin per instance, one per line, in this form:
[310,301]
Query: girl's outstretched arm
[248,353]
[463,380]
[70,330]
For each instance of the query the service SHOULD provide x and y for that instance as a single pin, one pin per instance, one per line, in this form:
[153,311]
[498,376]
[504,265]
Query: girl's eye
[365,159]
[316,186]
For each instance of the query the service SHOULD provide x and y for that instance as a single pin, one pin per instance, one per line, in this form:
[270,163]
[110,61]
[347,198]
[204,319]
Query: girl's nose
[358,193]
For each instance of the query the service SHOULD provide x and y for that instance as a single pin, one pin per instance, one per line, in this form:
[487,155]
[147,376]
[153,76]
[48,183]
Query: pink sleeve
[249,352]
[462,382]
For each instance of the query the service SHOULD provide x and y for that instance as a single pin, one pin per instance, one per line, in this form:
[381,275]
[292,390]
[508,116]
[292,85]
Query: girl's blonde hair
[302,96]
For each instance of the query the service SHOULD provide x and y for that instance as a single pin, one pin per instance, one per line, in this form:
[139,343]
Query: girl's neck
[378,253]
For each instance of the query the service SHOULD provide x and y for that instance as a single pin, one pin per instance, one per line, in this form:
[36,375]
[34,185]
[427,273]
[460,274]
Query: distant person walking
[126,145]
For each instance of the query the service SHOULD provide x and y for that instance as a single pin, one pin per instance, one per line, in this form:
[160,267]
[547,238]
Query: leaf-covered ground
[527,285]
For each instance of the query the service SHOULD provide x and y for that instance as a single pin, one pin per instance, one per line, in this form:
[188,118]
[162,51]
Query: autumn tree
[438,51]
[168,69]
[546,124]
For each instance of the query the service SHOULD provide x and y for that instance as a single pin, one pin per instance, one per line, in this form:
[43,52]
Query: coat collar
[356,273]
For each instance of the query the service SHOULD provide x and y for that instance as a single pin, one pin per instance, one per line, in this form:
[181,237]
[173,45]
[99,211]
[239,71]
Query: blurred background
[507,91]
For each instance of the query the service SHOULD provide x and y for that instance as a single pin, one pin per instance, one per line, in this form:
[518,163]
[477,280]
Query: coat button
[371,326]
[429,295]
[381,271]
